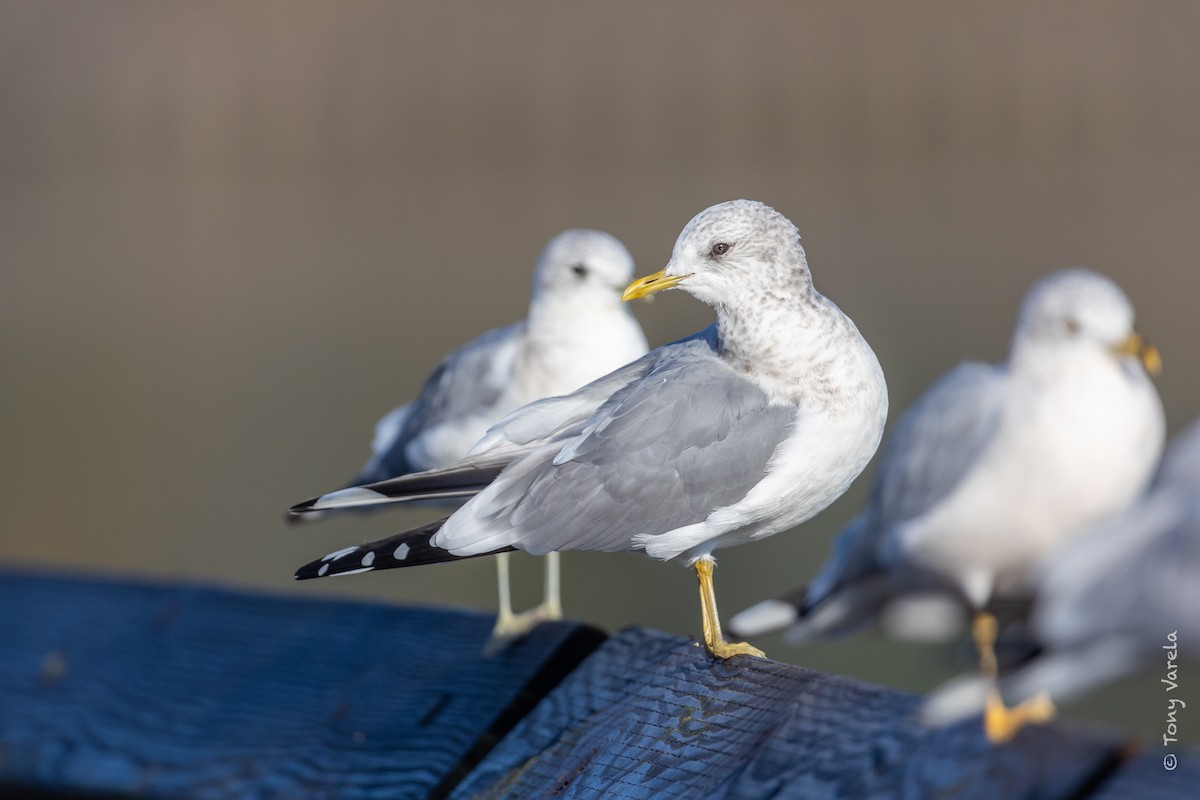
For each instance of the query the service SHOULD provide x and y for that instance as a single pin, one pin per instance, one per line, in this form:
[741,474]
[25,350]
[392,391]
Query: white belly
[1059,463]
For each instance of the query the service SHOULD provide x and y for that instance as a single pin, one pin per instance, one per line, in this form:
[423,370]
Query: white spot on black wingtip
[345,551]
[368,559]
[323,571]
[401,551]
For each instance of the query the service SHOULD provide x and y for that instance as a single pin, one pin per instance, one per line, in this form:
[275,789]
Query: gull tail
[841,611]
[769,615]
[457,481]
[292,518]
[411,548]
[807,619]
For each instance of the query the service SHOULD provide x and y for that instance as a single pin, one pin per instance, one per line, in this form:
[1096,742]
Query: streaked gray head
[585,265]
[1075,306]
[731,246]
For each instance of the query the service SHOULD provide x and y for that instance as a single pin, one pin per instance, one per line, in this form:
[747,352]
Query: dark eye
[580,270]
[1071,326]
[720,249]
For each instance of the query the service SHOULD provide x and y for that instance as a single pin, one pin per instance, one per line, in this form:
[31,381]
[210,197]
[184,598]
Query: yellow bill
[1135,345]
[651,284]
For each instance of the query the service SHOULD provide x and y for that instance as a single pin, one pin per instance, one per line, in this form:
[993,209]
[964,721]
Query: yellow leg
[1001,723]
[714,640]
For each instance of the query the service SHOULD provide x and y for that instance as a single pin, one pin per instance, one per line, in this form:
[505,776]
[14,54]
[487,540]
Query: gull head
[731,250]
[583,265]
[1077,308]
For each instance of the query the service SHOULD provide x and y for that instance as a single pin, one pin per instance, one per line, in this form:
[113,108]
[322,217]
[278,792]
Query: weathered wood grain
[652,716]
[196,692]
[116,689]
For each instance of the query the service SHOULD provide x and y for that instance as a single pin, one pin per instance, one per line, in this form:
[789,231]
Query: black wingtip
[300,508]
[799,598]
[311,570]
[408,549]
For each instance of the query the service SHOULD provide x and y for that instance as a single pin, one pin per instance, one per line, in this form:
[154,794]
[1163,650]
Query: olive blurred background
[233,234]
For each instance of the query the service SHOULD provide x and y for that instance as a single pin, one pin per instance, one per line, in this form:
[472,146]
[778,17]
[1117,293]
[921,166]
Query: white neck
[571,342]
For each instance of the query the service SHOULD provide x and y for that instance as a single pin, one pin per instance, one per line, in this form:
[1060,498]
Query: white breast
[826,449]
[1064,457]
[573,349]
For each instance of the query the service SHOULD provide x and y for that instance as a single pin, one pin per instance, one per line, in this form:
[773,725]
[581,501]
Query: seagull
[1118,599]
[743,430]
[993,468]
[577,329]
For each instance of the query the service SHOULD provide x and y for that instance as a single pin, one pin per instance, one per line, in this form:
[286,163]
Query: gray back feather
[1181,463]
[937,442]
[663,452]
[1139,574]
[1158,591]
[457,388]
[853,556]
[554,418]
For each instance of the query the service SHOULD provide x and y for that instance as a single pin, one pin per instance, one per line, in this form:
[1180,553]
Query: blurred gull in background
[577,329]
[994,467]
[1125,596]
[741,431]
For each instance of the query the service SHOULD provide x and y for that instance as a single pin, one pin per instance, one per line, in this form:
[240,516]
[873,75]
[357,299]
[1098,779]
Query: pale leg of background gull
[551,607]
[509,625]
[504,614]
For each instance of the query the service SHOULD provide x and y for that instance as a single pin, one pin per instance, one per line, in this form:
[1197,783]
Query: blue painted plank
[1155,773]
[178,691]
[652,716]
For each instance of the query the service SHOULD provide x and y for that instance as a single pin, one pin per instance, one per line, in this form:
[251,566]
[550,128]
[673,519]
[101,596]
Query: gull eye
[580,270]
[720,249]
[1071,326]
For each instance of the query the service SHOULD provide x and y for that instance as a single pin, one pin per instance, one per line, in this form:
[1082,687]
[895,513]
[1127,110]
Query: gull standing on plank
[1126,596]
[577,329]
[741,431]
[994,467]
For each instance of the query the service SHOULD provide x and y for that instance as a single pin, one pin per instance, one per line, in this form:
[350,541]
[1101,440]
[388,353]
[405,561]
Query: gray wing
[466,383]
[553,418]
[937,442]
[1138,577]
[931,448]
[1181,462]
[663,452]
[1109,603]
[853,557]
[533,426]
